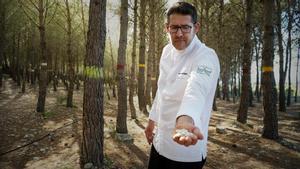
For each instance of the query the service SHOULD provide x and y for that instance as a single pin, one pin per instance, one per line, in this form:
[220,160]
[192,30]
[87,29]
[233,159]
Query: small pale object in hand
[183,133]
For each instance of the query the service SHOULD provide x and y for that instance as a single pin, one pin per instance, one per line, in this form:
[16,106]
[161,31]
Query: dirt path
[54,140]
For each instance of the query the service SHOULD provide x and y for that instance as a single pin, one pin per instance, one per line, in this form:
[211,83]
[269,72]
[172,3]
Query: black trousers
[157,161]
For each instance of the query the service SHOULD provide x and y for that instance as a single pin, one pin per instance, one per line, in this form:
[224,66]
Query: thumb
[198,133]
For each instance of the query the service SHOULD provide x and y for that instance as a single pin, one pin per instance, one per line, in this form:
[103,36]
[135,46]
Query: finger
[187,141]
[149,139]
[181,140]
[197,132]
[194,139]
[148,136]
[177,135]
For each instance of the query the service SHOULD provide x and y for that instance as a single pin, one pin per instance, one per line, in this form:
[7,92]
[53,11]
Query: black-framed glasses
[184,28]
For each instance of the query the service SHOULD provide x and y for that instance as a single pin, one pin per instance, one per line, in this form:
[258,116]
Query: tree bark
[93,122]
[282,106]
[121,126]
[297,72]
[207,7]
[17,66]
[270,129]
[43,75]
[289,50]
[83,21]
[132,82]
[141,75]
[2,38]
[257,47]
[70,57]
[244,100]
[55,75]
[151,57]
[113,70]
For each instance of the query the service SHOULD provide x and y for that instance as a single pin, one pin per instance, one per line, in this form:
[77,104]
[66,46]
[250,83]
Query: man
[186,86]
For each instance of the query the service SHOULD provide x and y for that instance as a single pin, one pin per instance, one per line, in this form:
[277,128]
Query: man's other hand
[193,135]
[149,131]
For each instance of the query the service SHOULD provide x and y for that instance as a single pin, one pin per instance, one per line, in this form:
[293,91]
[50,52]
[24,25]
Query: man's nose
[179,32]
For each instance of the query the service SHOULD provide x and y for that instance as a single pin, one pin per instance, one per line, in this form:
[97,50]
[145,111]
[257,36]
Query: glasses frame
[180,27]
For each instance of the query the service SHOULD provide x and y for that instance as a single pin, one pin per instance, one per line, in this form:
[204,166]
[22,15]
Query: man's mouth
[179,40]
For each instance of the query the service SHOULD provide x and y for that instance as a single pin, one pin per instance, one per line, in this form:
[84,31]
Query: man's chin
[179,47]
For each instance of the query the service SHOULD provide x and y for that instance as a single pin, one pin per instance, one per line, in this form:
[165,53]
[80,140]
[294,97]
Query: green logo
[204,70]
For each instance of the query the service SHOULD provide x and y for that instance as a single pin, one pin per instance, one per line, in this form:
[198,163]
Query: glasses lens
[174,29]
[184,28]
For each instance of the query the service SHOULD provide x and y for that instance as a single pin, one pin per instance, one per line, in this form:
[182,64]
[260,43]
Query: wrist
[183,119]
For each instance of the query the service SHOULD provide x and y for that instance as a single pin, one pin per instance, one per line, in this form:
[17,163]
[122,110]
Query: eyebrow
[181,25]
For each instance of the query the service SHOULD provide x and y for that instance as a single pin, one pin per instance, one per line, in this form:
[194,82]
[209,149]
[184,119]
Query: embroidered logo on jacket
[182,75]
[204,70]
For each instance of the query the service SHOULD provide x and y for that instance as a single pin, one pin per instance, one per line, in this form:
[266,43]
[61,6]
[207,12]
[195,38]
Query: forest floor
[53,140]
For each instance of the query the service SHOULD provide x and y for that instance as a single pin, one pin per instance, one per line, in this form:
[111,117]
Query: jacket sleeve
[153,115]
[202,80]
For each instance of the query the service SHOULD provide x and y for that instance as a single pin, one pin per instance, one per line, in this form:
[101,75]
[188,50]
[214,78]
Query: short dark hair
[183,8]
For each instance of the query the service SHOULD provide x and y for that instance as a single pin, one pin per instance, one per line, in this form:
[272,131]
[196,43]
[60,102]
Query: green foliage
[49,114]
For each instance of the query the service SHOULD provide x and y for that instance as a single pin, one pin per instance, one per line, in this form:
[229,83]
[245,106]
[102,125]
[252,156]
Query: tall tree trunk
[239,81]
[151,55]
[113,70]
[18,57]
[257,46]
[132,82]
[225,87]
[121,126]
[250,94]
[200,33]
[297,72]
[207,7]
[246,79]
[282,106]
[152,49]
[12,58]
[141,75]
[55,76]
[289,51]
[234,76]
[160,43]
[83,21]
[70,57]
[289,93]
[215,108]
[2,38]
[270,129]
[23,80]
[218,92]
[231,85]
[225,72]
[43,75]
[93,122]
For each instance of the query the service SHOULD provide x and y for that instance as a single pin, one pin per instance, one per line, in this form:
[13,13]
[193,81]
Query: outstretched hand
[186,133]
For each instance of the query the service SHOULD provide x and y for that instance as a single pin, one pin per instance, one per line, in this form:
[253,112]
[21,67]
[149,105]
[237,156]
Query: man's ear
[166,27]
[197,27]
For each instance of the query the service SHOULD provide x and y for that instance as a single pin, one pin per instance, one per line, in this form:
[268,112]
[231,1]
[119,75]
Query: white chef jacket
[186,86]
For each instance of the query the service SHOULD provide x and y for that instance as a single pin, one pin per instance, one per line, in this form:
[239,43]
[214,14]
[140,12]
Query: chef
[181,110]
